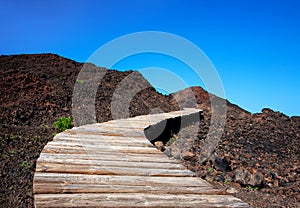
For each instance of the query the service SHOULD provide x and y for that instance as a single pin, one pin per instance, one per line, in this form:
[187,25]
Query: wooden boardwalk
[113,164]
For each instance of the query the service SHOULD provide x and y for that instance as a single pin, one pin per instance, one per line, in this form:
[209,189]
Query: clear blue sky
[254,44]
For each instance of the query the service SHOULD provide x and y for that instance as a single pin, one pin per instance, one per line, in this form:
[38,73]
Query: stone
[221,164]
[256,180]
[244,177]
[241,176]
[219,178]
[168,152]
[160,145]
[231,190]
[187,155]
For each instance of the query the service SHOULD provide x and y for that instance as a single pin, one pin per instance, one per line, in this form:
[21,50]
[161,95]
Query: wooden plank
[128,123]
[102,144]
[60,178]
[82,137]
[103,139]
[82,150]
[136,200]
[105,133]
[123,140]
[107,129]
[119,126]
[116,157]
[64,151]
[109,170]
[111,135]
[52,147]
[54,188]
[112,163]
[88,152]
[112,143]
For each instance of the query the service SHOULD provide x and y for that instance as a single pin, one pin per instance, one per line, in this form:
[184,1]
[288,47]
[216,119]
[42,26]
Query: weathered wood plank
[109,170]
[64,151]
[102,145]
[88,151]
[130,124]
[105,149]
[54,188]
[121,127]
[115,157]
[60,178]
[107,143]
[112,163]
[103,140]
[104,133]
[136,200]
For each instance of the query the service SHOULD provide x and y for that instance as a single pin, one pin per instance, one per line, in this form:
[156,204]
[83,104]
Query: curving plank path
[113,164]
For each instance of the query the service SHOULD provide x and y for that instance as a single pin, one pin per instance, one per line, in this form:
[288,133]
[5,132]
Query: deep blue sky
[254,44]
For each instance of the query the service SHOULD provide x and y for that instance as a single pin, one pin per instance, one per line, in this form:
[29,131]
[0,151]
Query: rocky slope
[256,151]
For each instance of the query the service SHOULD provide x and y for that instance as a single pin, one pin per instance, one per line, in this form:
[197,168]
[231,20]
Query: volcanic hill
[257,158]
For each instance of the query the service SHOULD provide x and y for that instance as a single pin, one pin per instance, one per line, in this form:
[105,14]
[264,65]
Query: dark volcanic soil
[256,151]
[36,90]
